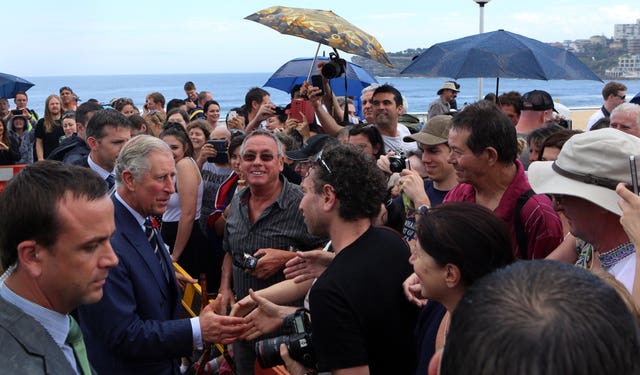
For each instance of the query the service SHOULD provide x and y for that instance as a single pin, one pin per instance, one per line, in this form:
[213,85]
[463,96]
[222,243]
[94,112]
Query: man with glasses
[361,321]
[582,182]
[263,224]
[614,94]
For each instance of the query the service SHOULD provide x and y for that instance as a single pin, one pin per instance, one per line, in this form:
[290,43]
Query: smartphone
[634,173]
[221,147]
[316,81]
[302,105]
[232,115]
[16,112]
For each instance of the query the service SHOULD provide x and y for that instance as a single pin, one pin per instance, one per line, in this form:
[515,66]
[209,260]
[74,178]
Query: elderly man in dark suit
[55,227]
[136,329]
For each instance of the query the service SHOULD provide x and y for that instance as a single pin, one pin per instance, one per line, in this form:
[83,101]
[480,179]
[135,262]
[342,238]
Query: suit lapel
[131,231]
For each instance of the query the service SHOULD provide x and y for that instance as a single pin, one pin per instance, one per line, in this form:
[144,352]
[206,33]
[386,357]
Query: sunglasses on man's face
[249,157]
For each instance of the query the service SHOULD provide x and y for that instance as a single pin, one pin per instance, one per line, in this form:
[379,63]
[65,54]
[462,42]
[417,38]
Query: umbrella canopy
[499,54]
[324,27]
[294,72]
[10,85]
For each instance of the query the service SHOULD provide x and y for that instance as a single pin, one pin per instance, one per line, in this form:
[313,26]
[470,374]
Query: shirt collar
[53,322]
[101,171]
[133,212]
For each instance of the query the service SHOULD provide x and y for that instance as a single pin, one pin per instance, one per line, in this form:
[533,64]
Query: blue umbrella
[296,71]
[499,54]
[10,85]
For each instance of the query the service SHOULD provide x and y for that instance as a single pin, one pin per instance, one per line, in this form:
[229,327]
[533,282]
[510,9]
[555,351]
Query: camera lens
[268,351]
[332,70]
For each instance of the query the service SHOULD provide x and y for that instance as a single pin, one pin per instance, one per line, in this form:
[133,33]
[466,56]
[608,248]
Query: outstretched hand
[307,265]
[266,318]
[218,328]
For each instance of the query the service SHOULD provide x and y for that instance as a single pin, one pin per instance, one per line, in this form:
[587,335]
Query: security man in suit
[55,227]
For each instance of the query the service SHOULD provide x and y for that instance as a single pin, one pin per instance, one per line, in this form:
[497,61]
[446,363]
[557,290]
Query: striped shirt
[280,226]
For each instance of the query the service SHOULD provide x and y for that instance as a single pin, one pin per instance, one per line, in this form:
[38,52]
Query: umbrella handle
[313,63]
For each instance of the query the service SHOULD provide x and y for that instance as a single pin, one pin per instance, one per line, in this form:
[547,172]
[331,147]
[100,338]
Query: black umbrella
[10,85]
[499,54]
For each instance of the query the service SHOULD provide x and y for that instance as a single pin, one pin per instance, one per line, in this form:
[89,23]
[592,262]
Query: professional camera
[334,68]
[298,342]
[246,261]
[397,163]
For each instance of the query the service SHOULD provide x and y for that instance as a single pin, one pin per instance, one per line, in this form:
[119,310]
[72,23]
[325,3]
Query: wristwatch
[422,209]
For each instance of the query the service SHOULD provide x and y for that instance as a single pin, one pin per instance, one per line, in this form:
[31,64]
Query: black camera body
[221,148]
[335,67]
[298,342]
[397,163]
[246,261]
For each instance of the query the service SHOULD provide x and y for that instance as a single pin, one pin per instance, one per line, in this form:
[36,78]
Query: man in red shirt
[484,155]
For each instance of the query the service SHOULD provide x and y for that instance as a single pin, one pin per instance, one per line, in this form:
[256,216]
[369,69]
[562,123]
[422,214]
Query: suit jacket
[135,329]
[27,348]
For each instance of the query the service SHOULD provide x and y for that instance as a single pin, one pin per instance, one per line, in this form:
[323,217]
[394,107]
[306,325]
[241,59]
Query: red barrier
[7,172]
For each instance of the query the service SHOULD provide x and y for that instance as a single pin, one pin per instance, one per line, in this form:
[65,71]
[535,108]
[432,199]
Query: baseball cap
[434,132]
[537,100]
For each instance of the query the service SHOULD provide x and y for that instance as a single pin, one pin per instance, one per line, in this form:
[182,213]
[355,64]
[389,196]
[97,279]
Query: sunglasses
[622,97]
[249,157]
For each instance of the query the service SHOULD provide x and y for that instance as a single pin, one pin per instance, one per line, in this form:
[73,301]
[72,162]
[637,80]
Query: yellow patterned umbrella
[324,27]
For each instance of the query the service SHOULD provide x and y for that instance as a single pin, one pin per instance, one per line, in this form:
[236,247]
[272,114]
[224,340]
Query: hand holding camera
[220,147]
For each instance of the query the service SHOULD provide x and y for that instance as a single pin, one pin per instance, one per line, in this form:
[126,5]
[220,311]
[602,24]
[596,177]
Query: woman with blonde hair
[49,128]
[154,122]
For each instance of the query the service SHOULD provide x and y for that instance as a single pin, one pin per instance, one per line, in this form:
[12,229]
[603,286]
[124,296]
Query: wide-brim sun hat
[589,166]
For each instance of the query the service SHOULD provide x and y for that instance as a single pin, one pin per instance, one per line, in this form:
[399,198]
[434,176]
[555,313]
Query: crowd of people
[492,239]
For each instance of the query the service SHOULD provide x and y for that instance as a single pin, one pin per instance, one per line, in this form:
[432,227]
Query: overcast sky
[49,38]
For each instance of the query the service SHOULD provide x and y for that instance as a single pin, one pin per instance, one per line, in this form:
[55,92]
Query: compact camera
[397,163]
[246,261]
[298,342]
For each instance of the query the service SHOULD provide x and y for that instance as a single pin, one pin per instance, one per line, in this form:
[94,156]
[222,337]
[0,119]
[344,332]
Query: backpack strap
[521,236]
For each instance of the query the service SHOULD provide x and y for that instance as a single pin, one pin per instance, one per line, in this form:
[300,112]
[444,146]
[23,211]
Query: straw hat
[589,166]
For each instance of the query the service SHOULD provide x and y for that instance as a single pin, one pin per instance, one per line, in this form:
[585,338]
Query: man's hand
[207,151]
[413,290]
[224,299]
[630,219]
[267,109]
[384,164]
[307,265]
[270,262]
[294,367]
[183,280]
[266,318]
[413,186]
[243,307]
[219,328]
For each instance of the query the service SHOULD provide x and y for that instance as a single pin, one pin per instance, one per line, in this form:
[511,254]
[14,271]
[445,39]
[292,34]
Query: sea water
[229,88]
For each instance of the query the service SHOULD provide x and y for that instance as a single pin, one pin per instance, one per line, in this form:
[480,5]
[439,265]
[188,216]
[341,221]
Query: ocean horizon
[229,88]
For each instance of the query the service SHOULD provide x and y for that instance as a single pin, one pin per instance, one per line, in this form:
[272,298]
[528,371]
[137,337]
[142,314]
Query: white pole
[481,4]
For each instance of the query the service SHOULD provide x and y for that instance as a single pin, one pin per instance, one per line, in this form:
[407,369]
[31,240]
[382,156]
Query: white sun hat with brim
[589,166]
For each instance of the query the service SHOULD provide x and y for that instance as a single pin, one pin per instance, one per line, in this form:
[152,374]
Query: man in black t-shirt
[360,318]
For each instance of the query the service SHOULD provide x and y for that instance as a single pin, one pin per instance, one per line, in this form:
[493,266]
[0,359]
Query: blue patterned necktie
[110,182]
[75,341]
[152,236]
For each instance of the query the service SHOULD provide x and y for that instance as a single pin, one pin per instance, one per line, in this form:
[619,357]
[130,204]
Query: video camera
[298,342]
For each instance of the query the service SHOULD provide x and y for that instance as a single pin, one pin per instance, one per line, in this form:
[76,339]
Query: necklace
[613,257]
